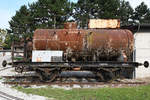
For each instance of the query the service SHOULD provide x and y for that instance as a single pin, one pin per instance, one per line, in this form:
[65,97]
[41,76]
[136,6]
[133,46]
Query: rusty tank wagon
[105,52]
[90,45]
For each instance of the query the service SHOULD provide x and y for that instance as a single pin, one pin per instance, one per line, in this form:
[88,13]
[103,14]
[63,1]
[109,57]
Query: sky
[8,8]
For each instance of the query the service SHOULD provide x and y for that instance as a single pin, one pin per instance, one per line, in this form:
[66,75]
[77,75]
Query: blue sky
[9,7]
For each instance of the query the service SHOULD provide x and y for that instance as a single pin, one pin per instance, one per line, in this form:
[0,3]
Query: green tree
[50,13]
[20,24]
[5,39]
[83,12]
[41,14]
[3,34]
[147,17]
[108,8]
[104,9]
[8,41]
[125,12]
[141,12]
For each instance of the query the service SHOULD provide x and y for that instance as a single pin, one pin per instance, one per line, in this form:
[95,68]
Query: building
[142,49]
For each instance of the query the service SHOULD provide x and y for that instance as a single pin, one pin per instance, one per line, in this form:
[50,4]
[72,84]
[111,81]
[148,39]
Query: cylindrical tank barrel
[104,42]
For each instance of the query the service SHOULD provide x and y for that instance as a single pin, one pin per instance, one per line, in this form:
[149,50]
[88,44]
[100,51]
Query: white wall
[142,53]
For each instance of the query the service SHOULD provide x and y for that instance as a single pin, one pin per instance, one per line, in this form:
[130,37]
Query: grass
[130,93]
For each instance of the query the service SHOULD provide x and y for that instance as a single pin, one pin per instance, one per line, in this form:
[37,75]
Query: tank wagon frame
[104,70]
[105,52]
[49,71]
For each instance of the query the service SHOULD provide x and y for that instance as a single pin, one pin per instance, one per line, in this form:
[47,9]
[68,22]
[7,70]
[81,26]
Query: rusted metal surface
[102,42]
[70,25]
[110,42]
[104,23]
[59,39]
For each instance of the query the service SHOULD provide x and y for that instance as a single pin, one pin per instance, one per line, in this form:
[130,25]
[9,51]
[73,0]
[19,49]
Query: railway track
[5,96]
[71,83]
[27,82]
[10,77]
[5,68]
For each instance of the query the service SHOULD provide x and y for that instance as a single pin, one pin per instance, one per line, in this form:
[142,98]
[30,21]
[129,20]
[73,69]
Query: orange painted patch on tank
[104,23]
[77,69]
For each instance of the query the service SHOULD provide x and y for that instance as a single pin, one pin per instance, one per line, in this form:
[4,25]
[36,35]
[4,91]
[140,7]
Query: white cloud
[135,3]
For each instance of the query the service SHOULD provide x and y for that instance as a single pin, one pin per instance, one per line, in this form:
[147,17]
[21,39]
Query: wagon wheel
[47,74]
[104,75]
[19,68]
[99,76]
[4,63]
[53,75]
[108,75]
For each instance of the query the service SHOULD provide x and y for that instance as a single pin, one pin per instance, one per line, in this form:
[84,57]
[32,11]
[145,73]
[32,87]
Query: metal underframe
[89,64]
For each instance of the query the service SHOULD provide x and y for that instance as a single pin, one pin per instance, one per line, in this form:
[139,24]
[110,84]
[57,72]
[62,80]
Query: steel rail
[72,83]
[9,97]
